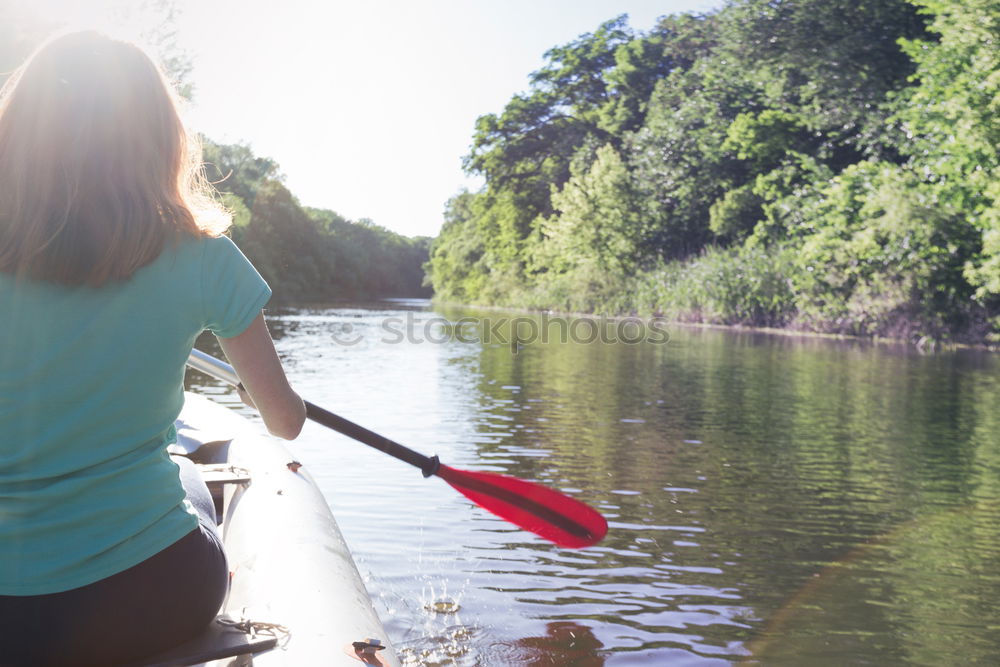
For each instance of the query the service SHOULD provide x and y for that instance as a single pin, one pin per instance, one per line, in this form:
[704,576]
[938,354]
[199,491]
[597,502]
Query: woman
[111,264]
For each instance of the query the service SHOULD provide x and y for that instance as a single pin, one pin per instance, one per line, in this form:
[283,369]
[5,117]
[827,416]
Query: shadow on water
[771,499]
[564,643]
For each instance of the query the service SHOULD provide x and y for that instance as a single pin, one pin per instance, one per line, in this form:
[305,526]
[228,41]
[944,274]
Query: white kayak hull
[290,564]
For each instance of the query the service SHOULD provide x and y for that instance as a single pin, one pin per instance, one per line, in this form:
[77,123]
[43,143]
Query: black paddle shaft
[428,465]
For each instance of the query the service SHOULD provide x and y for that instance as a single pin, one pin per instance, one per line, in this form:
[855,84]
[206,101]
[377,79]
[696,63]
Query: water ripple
[772,500]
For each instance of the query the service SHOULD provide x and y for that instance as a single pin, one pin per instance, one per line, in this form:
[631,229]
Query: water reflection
[564,643]
[785,500]
[932,581]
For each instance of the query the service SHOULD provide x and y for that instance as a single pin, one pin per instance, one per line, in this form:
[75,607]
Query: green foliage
[783,191]
[681,168]
[885,258]
[456,266]
[595,221]
[368,259]
[307,253]
[730,286]
[241,214]
[764,139]
[953,116]
[830,62]
[576,74]
[983,271]
[736,214]
[675,44]
[591,92]
[824,164]
[317,254]
[233,168]
[284,244]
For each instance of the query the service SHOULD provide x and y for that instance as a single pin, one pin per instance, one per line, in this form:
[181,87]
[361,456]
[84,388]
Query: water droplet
[443,606]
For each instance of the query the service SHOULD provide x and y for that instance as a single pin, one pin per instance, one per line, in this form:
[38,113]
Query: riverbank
[757,287]
[925,344]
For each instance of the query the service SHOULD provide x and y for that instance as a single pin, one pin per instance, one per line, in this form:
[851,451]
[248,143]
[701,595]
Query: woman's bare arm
[253,356]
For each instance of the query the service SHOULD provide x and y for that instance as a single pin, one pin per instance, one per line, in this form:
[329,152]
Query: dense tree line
[304,253]
[822,164]
[309,253]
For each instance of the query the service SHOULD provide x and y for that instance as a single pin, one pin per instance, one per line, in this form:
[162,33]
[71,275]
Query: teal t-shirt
[91,381]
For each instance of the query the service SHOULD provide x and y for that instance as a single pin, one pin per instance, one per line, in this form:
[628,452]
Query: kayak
[296,596]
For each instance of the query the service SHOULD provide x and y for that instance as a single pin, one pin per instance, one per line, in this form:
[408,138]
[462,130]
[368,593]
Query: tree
[831,62]
[885,258]
[528,148]
[234,168]
[456,268]
[674,44]
[285,244]
[953,119]
[596,221]
[681,168]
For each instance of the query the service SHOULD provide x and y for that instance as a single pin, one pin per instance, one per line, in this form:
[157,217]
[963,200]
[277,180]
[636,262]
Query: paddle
[533,507]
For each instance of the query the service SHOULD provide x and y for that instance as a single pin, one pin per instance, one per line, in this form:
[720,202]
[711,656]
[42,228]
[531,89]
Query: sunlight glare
[134,21]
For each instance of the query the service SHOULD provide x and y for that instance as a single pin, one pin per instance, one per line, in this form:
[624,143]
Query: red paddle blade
[533,507]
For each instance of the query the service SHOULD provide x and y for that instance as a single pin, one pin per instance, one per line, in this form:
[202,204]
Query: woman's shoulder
[198,249]
[203,260]
[220,244]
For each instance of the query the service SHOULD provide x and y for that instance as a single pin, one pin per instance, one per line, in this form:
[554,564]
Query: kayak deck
[292,574]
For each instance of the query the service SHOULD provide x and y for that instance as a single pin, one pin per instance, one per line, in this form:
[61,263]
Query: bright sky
[368,106]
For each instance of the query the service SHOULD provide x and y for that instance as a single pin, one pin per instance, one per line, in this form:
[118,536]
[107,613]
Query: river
[773,500]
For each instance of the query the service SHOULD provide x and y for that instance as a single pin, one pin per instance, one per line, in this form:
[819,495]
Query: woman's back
[111,264]
[91,380]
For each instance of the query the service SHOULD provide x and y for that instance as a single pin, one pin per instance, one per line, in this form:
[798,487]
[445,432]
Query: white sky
[369,106]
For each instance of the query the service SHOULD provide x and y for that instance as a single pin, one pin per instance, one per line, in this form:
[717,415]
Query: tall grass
[747,286]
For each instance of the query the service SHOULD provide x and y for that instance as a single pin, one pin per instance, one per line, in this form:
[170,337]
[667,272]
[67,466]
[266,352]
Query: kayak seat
[217,476]
[220,474]
[219,641]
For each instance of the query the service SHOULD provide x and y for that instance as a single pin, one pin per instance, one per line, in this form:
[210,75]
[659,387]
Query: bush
[746,286]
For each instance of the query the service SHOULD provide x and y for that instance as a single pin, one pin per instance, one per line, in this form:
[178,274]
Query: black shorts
[161,602]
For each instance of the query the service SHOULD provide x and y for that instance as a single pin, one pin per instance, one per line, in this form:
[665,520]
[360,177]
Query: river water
[772,500]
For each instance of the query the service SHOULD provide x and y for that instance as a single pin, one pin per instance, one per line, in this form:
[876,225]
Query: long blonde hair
[97,172]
